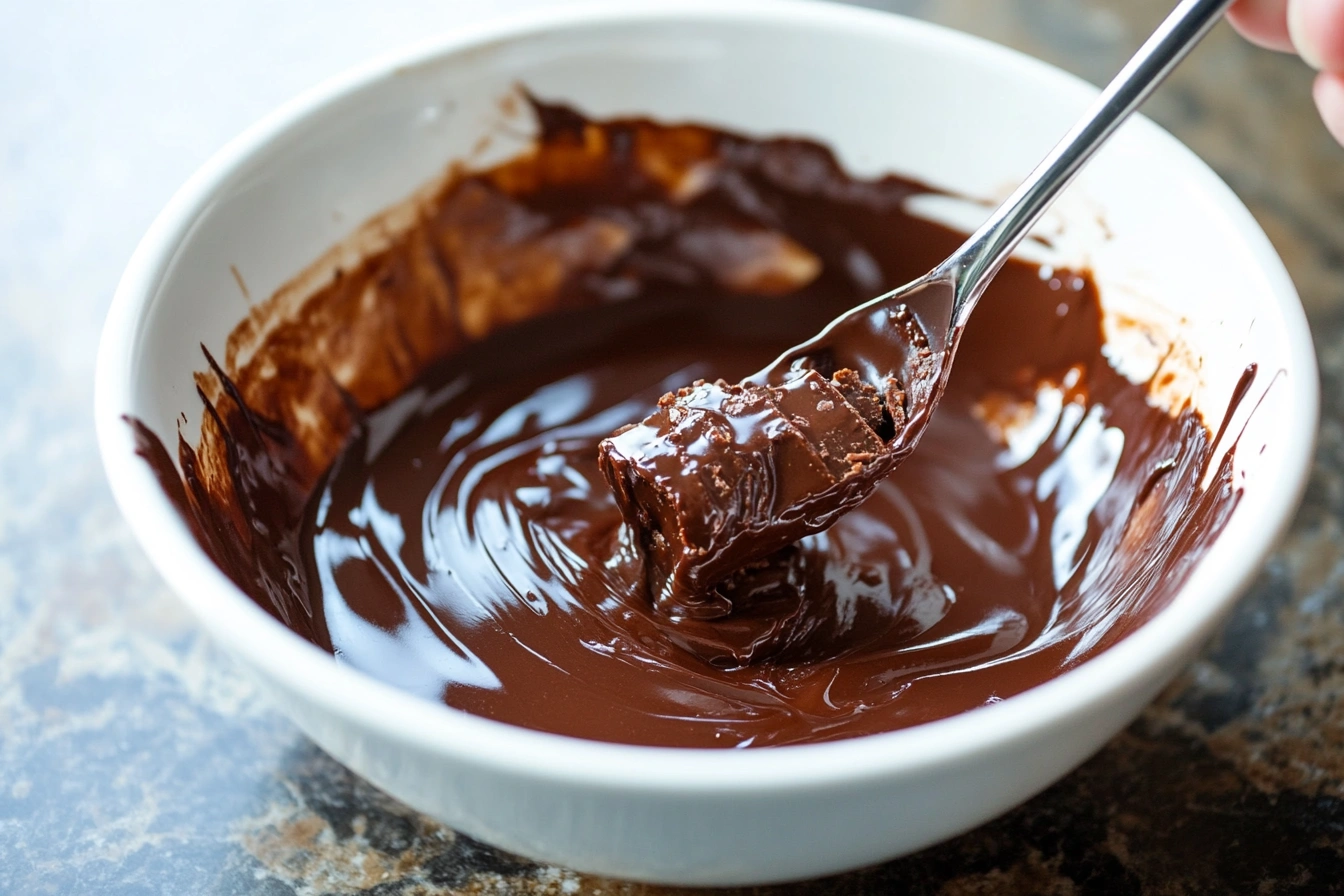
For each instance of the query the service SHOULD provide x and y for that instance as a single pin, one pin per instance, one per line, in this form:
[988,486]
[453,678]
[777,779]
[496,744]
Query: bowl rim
[302,668]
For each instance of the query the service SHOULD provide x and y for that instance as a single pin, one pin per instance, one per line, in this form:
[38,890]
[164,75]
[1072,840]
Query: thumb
[1317,31]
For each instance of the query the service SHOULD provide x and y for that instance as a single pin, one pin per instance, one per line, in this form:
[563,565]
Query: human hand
[1314,29]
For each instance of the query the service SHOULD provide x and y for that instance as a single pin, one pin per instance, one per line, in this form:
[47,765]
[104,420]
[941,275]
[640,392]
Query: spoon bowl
[912,333]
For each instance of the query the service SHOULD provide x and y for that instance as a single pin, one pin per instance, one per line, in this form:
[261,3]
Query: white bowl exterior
[879,89]
[721,835]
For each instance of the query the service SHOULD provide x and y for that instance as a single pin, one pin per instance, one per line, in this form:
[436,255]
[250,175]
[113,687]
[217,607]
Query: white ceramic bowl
[888,94]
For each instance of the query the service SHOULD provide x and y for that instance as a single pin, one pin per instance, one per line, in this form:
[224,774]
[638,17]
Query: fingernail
[1301,31]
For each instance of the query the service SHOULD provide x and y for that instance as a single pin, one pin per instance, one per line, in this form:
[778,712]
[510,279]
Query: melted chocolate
[721,476]
[463,545]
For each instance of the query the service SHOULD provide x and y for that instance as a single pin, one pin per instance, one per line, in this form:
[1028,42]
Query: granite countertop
[136,759]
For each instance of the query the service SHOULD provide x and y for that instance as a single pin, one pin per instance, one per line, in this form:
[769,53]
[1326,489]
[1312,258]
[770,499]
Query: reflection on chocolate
[719,477]
[463,545]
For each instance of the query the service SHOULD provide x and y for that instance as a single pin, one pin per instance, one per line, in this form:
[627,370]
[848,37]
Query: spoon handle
[980,257]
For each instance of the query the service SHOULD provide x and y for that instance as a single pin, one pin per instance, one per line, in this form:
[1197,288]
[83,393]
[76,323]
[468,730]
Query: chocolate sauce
[463,545]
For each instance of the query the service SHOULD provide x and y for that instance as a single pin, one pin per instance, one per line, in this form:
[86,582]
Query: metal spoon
[697,529]
[875,337]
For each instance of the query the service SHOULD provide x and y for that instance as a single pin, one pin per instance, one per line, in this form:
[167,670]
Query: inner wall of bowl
[971,119]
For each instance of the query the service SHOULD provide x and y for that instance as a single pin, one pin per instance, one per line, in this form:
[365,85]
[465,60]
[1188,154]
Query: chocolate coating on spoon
[721,476]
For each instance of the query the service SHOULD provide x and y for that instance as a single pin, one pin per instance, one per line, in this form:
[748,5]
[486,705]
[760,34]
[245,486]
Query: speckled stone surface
[135,759]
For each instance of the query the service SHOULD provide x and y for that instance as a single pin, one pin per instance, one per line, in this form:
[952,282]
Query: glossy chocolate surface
[463,545]
[723,475]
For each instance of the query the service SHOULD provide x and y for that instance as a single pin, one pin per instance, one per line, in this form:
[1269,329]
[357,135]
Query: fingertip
[1328,91]
[1316,28]
[1262,22]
